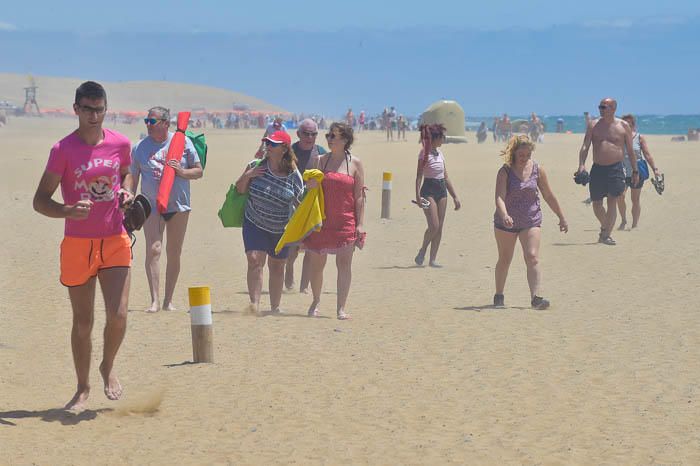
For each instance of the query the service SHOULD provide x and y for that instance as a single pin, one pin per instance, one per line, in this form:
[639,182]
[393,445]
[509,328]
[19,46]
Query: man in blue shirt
[148,161]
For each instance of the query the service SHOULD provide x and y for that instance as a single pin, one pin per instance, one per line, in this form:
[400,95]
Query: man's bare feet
[79,400]
[304,291]
[169,307]
[622,226]
[314,311]
[113,389]
[342,315]
[154,307]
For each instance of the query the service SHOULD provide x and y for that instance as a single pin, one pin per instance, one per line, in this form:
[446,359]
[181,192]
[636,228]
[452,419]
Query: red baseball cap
[279,137]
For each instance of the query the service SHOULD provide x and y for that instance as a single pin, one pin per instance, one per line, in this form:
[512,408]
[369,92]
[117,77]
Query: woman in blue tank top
[518,215]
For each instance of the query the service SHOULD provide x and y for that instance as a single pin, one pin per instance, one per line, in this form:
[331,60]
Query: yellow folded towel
[309,215]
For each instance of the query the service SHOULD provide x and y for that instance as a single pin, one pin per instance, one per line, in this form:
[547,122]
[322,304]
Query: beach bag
[643,169]
[200,144]
[233,209]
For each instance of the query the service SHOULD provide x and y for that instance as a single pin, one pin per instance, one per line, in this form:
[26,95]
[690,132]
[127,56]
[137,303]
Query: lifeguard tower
[30,105]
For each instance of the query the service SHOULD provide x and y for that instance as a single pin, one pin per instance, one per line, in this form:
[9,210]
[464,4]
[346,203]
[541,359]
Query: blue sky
[492,57]
[328,15]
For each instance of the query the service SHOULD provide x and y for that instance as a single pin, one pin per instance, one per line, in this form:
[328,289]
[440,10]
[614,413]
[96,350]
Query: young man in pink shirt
[92,167]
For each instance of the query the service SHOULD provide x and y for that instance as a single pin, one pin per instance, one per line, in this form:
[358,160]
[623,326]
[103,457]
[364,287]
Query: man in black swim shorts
[609,136]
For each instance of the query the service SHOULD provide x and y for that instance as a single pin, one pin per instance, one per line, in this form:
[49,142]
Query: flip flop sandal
[607,240]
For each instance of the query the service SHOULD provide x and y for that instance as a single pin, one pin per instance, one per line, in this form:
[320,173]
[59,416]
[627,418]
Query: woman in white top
[639,145]
[431,196]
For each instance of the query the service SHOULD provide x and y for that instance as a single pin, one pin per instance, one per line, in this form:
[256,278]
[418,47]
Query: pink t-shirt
[435,167]
[92,172]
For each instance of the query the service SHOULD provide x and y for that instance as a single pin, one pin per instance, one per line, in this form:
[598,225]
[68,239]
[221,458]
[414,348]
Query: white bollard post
[200,318]
[386,195]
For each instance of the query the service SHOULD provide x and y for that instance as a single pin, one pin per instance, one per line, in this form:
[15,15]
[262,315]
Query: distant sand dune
[129,95]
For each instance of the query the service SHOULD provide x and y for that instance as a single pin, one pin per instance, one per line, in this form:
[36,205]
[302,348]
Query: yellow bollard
[200,319]
[386,195]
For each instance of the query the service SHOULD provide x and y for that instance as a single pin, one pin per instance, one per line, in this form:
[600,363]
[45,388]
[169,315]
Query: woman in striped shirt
[274,187]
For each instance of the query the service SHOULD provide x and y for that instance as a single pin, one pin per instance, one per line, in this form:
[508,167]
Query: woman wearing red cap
[274,188]
[343,191]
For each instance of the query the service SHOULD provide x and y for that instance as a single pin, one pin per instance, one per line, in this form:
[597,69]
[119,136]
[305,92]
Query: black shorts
[628,182]
[512,230]
[434,187]
[606,180]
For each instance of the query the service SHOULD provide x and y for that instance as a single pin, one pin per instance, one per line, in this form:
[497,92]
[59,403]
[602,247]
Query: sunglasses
[269,143]
[152,121]
[602,107]
[308,133]
[96,110]
[332,136]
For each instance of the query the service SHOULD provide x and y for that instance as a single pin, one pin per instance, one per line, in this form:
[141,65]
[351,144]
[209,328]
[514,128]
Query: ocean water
[647,124]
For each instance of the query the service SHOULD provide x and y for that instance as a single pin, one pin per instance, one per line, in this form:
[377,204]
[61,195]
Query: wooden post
[200,318]
[386,195]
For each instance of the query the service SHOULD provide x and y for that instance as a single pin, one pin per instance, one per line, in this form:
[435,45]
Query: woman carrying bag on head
[274,189]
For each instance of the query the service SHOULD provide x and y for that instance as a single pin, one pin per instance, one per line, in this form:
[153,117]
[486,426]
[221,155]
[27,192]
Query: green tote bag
[233,209]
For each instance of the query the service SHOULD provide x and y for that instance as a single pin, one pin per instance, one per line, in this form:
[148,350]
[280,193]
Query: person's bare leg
[343,260]
[530,242]
[437,236]
[82,299]
[636,206]
[256,264]
[276,281]
[600,214]
[289,267]
[505,241]
[153,231]
[305,275]
[175,231]
[115,291]
[433,219]
[317,262]
[622,207]
[611,214]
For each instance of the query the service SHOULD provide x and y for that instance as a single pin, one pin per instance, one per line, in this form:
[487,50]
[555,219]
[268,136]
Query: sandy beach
[425,373]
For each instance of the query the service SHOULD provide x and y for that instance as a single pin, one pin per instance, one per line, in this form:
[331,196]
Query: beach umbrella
[177,147]
[450,114]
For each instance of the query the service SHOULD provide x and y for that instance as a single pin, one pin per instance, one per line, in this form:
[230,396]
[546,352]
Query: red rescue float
[177,147]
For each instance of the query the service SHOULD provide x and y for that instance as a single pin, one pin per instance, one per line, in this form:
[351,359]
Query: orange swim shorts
[82,258]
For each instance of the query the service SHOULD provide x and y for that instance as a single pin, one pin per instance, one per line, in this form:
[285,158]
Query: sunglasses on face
[269,143]
[602,107]
[332,136]
[152,121]
[308,133]
[96,110]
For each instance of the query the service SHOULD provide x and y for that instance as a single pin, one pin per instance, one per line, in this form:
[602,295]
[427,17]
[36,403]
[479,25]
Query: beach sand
[425,373]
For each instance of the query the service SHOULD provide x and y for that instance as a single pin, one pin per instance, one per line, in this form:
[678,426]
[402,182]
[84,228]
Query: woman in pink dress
[343,191]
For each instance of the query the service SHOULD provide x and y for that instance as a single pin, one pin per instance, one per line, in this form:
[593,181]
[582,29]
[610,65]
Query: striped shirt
[272,200]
